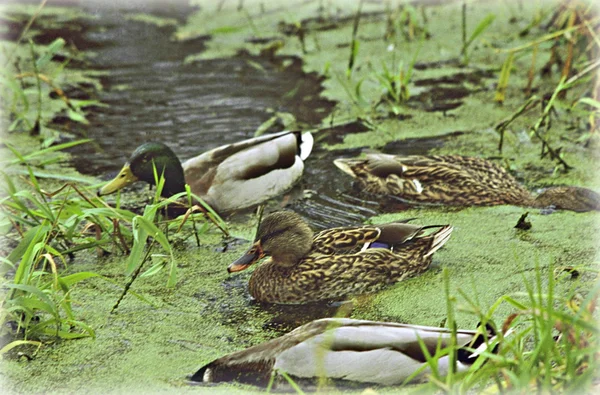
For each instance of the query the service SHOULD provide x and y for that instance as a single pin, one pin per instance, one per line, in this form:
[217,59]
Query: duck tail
[306,144]
[485,340]
[439,239]
[346,165]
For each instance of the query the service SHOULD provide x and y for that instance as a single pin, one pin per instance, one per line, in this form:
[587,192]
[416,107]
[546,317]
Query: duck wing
[255,364]
[425,169]
[354,239]
[357,350]
[367,351]
[248,172]
[450,179]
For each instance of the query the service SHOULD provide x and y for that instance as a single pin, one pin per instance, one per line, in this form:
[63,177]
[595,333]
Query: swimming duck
[456,180]
[383,353]
[229,177]
[336,263]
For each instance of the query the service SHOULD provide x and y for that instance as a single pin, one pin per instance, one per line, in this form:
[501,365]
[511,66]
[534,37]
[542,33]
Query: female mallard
[456,180]
[347,349]
[337,262]
[229,177]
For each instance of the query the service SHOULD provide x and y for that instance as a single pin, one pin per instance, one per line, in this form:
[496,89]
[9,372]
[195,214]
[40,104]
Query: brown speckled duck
[228,178]
[458,181]
[336,263]
[383,353]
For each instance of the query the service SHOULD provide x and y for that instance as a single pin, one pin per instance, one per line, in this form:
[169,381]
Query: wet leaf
[481,27]
[154,232]
[503,80]
[77,117]
[53,48]
[72,279]
[154,269]
[590,102]
[18,343]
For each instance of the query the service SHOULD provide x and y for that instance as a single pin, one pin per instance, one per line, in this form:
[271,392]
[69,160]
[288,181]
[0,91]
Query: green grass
[53,226]
[547,344]
[48,296]
[34,78]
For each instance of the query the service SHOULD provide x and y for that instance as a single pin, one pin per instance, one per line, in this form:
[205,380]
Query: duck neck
[289,259]
[174,183]
[173,174]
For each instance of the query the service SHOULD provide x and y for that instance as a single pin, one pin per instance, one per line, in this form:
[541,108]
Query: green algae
[144,346]
[487,258]
[55,16]
[152,19]
[327,35]
[209,314]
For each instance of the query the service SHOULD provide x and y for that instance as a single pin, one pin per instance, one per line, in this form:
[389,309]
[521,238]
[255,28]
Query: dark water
[153,95]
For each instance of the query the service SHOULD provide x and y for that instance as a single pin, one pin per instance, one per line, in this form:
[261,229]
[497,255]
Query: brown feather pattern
[457,180]
[447,179]
[335,264]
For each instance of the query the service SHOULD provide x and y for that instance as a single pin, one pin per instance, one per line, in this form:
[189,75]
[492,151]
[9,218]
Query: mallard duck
[348,349]
[229,177]
[456,180]
[337,262]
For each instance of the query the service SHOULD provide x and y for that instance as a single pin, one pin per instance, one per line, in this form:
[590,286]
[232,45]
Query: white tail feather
[306,145]
[342,164]
[439,239]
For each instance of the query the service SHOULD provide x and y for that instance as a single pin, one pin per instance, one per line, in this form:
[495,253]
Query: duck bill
[124,178]
[251,256]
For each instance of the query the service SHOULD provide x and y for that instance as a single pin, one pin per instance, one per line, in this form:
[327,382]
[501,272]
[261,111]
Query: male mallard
[337,262]
[347,349]
[456,180]
[229,177]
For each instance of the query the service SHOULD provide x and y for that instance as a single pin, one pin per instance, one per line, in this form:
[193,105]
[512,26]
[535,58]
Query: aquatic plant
[354,43]
[51,226]
[35,79]
[404,20]
[553,347]
[395,84]
[479,29]
[573,24]
[572,30]
[548,344]
[54,226]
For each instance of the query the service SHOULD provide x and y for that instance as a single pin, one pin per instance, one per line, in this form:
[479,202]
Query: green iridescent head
[140,167]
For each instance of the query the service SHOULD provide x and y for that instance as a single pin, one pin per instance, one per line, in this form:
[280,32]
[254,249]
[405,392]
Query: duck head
[140,167]
[568,198]
[282,235]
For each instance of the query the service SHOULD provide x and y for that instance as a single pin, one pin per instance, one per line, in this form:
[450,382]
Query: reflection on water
[154,95]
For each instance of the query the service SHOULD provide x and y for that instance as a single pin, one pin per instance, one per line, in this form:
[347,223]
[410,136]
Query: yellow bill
[124,178]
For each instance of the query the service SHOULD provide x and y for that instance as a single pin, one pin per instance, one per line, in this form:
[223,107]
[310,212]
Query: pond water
[154,95]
